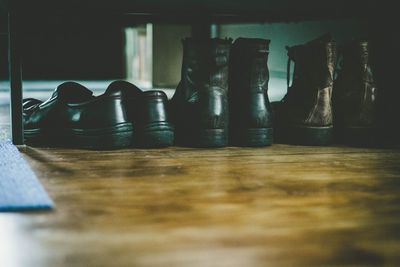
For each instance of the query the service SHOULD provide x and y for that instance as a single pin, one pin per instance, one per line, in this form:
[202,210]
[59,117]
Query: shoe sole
[117,136]
[203,138]
[310,136]
[160,134]
[213,138]
[253,137]
[41,137]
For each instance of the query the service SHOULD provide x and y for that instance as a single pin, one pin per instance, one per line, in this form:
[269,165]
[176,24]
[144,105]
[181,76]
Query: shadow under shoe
[355,98]
[249,107]
[200,104]
[304,116]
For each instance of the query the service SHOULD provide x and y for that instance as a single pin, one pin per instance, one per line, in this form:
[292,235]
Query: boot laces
[291,57]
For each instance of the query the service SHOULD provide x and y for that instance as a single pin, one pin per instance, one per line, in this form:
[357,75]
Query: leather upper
[248,84]
[73,106]
[355,92]
[153,109]
[309,98]
[200,100]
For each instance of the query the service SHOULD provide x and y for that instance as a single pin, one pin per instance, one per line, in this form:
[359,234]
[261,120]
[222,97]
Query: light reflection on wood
[276,206]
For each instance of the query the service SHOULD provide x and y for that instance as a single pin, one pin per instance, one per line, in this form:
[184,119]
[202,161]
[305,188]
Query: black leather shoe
[74,117]
[249,107]
[200,103]
[153,125]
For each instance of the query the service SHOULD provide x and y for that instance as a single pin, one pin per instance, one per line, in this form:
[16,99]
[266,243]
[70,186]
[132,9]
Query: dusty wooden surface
[276,206]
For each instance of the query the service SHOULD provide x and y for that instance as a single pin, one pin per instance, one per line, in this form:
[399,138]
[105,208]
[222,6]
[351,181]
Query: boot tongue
[72,92]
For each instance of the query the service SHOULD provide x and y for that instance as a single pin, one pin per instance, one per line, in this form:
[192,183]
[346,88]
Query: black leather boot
[304,116]
[355,97]
[200,103]
[154,128]
[249,106]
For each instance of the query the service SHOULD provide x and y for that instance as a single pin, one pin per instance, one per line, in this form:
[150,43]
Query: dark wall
[386,40]
[3,58]
[3,42]
[68,48]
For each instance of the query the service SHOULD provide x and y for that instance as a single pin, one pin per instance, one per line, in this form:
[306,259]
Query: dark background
[3,43]
[67,47]
[81,43]
[74,45]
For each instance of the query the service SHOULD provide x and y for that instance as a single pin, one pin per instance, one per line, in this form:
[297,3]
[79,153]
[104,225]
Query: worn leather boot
[355,97]
[249,106]
[304,116]
[200,103]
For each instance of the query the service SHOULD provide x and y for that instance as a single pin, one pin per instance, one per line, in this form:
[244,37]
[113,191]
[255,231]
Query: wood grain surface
[276,206]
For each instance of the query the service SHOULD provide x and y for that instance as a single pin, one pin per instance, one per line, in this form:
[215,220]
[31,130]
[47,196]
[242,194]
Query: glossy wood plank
[276,206]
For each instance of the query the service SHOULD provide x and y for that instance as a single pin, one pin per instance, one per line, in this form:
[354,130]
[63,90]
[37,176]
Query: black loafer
[74,117]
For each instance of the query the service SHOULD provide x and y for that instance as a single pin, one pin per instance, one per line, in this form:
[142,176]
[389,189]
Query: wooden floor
[276,206]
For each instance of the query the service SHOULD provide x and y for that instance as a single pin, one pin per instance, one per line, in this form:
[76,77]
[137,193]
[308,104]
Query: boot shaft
[314,63]
[248,66]
[355,94]
[308,101]
[248,85]
[205,63]
[199,105]
[356,61]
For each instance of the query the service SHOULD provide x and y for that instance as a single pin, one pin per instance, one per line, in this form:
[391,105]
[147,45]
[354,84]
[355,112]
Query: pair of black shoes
[222,97]
[123,116]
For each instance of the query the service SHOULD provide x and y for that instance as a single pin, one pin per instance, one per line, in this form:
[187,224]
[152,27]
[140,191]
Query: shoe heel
[254,137]
[108,138]
[42,138]
[156,138]
[212,138]
[311,136]
[101,142]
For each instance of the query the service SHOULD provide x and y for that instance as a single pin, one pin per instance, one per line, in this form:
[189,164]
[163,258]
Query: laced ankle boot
[304,116]
[354,96]
[200,103]
[249,106]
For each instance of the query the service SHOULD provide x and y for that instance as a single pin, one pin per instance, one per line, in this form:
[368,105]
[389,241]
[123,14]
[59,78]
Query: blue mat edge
[28,208]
